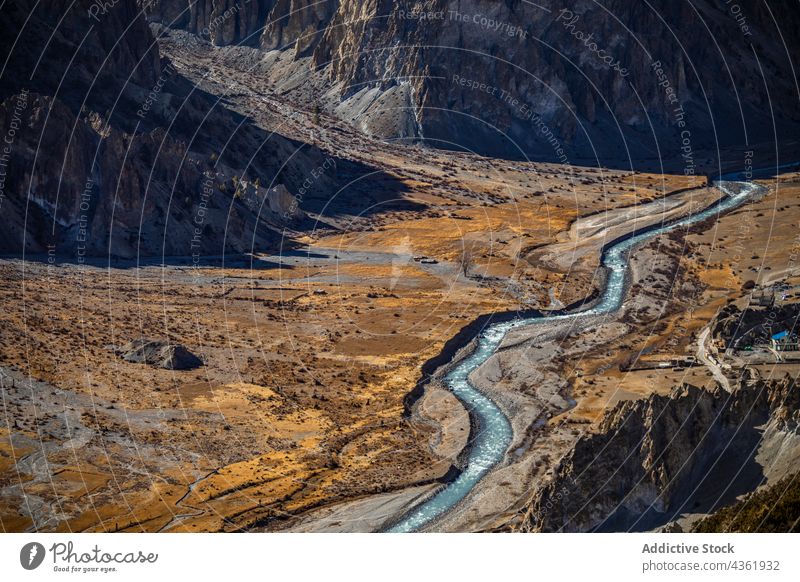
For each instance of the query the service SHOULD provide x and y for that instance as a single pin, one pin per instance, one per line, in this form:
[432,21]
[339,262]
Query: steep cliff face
[553,79]
[297,25]
[507,75]
[655,459]
[222,22]
[114,47]
[109,151]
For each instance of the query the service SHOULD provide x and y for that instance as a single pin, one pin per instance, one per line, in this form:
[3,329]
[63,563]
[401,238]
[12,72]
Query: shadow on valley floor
[229,261]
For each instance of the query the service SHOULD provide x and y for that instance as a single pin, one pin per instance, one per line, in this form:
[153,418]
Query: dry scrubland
[308,356]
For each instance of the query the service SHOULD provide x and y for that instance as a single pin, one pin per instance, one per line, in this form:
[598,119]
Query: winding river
[494,433]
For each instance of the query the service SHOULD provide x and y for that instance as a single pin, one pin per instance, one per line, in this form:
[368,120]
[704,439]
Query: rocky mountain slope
[654,460]
[773,510]
[110,151]
[548,79]
[112,147]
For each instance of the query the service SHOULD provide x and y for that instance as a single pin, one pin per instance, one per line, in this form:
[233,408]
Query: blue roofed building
[783,341]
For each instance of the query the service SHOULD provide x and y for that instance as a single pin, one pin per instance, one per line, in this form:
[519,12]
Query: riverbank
[453,495]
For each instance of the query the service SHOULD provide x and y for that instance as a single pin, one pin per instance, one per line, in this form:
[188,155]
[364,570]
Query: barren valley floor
[297,419]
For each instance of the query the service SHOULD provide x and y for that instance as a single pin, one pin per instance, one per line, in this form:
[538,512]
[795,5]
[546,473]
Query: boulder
[159,354]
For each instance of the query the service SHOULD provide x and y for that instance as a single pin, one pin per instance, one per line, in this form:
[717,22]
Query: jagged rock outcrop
[690,452]
[543,76]
[275,204]
[269,24]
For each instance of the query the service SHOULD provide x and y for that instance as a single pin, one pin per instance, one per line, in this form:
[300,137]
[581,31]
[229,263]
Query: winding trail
[493,433]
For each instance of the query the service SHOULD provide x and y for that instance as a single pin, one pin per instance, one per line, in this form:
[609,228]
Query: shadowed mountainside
[655,459]
[551,80]
[114,153]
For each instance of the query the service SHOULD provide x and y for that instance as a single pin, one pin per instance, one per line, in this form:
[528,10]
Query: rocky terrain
[690,452]
[515,78]
[115,154]
[160,354]
[149,153]
[772,510]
